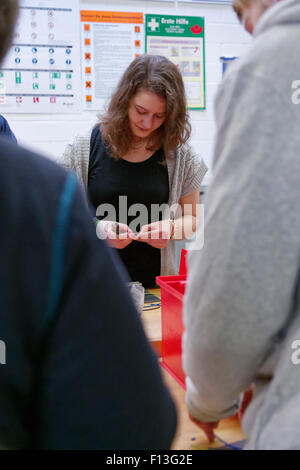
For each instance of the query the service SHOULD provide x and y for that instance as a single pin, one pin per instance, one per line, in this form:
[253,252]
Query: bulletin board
[65,61]
[180,39]
[41,72]
[110,42]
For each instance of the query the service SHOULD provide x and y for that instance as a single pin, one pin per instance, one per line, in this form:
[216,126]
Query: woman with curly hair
[141,176]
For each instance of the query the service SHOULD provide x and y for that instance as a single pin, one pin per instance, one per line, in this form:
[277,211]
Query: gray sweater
[242,308]
[185,168]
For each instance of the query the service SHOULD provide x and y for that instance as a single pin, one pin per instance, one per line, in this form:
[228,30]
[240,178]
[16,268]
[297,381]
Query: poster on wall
[41,72]
[181,39]
[110,41]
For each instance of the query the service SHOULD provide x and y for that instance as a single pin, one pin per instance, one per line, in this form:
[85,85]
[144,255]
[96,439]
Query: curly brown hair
[8,15]
[158,75]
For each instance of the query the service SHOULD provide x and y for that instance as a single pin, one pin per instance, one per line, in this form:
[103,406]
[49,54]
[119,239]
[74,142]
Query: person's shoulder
[188,155]
[96,132]
[180,153]
[260,61]
[3,122]
[83,138]
[86,141]
[187,159]
[98,146]
[96,138]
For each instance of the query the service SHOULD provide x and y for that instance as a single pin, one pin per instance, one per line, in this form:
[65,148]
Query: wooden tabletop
[188,435]
[152,319]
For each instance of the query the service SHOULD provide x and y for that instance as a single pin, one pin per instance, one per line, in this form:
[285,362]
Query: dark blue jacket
[5,130]
[79,372]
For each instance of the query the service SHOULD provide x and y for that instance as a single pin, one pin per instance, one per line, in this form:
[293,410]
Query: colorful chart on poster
[41,73]
[110,41]
[181,39]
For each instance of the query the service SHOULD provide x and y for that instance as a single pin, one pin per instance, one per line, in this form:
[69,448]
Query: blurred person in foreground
[5,130]
[76,370]
[242,308]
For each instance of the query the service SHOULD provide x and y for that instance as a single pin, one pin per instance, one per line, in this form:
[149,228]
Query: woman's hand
[156,234]
[117,235]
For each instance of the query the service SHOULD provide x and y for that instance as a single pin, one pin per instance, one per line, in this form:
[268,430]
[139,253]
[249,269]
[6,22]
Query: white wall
[224,36]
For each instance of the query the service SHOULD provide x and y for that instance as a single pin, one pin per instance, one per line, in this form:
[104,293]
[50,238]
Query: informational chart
[110,41]
[41,73]
[180,39]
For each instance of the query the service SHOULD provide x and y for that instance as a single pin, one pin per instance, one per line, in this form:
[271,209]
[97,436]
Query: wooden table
[188,435]
[152,324]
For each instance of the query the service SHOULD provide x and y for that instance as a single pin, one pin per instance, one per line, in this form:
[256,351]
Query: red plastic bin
[172,293]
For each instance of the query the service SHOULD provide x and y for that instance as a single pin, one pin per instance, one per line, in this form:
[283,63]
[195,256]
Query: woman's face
[147,112]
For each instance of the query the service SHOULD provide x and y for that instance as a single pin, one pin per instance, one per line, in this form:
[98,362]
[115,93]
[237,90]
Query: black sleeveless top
[120,187]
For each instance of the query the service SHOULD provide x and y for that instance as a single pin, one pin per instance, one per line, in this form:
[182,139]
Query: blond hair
[239,5]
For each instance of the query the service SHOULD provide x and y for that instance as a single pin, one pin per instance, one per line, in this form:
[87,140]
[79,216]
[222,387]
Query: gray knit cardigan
[185,168]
